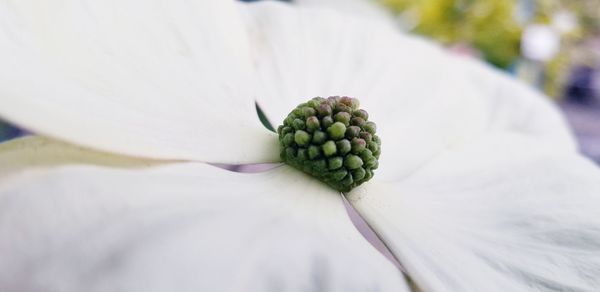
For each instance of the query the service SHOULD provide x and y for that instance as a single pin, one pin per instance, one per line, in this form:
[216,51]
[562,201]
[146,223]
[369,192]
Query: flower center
[332,140]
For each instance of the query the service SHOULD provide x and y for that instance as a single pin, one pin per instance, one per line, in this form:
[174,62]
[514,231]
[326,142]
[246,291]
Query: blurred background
[554,45]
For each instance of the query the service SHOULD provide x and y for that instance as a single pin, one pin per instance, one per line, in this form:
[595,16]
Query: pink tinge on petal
[367,232]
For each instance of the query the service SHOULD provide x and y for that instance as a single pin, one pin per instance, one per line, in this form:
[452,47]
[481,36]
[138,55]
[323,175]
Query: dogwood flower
[479,186]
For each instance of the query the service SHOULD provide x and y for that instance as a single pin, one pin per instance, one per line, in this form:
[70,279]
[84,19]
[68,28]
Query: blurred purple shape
[247,168]
[8,132]
[580,88]
[584,119]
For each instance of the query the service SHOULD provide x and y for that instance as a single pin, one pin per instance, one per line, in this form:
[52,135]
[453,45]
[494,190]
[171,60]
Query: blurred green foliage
[493,29]
[487,25]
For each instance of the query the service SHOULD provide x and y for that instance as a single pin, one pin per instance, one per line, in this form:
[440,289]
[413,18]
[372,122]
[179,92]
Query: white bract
[479,188]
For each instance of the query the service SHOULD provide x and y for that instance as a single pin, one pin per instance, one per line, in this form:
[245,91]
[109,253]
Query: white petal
[361,8]
[422,99]
[184,227]
[470,102]
[35,152]
[157,79]
[505,214]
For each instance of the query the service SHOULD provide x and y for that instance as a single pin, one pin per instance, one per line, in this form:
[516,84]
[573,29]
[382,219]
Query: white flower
[480,187]
[360,8]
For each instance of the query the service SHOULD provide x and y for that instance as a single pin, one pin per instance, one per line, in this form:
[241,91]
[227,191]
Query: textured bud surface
[332,140]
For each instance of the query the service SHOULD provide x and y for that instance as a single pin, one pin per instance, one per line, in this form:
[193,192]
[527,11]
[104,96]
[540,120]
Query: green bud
[343,117]
[377,140]
[329,148]
[352,162]
[358,145]
[366,136]
[289,121]
[336,131]
[324,109]
[338,175]
[302,154]
[368,174]
[297,112]
[373,164]
[312,124]
[359,173]
[290,152]
[301,138]
[377,154]
[373,147]
[367,155]
[320,166]
[308,112]
[286,130]
[357,121]
[347,180]
[370,127]
[319,137]
[313,152]
[361,114]
[352,132]
[288,139]
[314,103]
[327,121]
[340,107]
[299,124]
[335,162]
[307,165]
[343,146]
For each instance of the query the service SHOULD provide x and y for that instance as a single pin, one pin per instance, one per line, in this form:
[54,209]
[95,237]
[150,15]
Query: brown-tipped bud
[352,132]
[357,121]
[358,145]
[325,109]
[361,114]
[312,124]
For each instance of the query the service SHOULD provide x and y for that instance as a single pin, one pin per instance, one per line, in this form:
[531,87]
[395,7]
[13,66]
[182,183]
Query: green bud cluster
[332,140]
